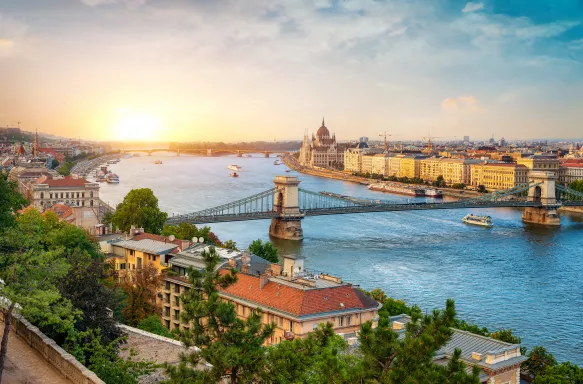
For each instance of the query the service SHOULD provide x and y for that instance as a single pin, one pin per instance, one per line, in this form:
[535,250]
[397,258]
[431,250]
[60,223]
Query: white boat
[112,178]
[234,167]
[234,174]
[158,162]
[276,162]
[484,221]
[433,193]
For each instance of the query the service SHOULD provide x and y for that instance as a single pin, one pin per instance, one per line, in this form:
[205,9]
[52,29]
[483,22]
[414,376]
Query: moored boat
[484,221]
[434,193]
[397,190]
[112,178]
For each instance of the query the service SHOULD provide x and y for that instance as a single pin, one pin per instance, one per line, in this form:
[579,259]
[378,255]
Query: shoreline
[291,163]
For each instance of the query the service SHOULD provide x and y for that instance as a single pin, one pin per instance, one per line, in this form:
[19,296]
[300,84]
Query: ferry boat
[112,178]
[234,174]
[158,162]
[484,221]
[101,178]
[437,193]
[288,170]
[397,189]
[234,167]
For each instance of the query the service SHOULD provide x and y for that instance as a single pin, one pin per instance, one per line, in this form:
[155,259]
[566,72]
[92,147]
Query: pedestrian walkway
[25,365]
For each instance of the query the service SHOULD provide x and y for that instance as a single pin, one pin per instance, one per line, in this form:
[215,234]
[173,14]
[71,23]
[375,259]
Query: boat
[417,192]
[158,162]
[248,156]
[112,178]
[234,174]
[288,170]
[276,162]
[234,167]
[434,193]
[484,221]
[101,178]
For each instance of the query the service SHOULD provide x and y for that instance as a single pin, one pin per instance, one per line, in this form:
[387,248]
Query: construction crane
[385,134]
[429,138]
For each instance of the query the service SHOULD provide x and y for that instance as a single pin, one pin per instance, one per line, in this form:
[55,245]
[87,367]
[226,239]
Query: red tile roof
[64,212]
[298,301]
[67,181]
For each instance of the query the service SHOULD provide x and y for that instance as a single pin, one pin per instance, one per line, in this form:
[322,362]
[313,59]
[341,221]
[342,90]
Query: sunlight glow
[139,127]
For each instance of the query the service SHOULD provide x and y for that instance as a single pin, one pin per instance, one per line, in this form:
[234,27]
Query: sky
[242,70]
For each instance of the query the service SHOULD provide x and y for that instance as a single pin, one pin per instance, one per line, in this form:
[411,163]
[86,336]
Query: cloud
[472,7]
[461,103]
[128,3]
[6,43]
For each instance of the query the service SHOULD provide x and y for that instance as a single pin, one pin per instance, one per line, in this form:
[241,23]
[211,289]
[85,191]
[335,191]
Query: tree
[388,359]
[141,286]
[439,182]
[28,281]
[54,163]
[139,208]
[564,373]
[83,286]
[577,185]
[507,336]
[458,186]
[10,201]
[539,360]
[482,189]
[187,231]
[264,250]
[231,345]
[230,244]
[152,324]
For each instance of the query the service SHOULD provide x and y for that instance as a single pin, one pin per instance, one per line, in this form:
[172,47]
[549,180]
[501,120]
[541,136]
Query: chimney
[185,244]
[476,356]
[245,268]
[263,279]
[397,325]
[232,263]
[140,230]
[275,269]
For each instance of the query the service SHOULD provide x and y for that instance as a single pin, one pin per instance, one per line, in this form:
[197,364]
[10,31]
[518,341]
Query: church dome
[323,131]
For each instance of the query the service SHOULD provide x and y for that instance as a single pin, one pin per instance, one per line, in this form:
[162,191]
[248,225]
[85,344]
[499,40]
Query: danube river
[527,278]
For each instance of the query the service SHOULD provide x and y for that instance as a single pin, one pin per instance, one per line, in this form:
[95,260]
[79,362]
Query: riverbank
[292,163]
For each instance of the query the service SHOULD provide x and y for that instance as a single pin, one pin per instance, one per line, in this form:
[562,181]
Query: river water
[527,278]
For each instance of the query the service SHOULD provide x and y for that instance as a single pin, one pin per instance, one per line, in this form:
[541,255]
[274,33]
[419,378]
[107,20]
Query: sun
[139,127]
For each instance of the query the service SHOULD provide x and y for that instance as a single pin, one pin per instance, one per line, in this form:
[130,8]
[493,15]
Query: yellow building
[498,175]
[430,168]
[410,166]
[294,300]
[543,163]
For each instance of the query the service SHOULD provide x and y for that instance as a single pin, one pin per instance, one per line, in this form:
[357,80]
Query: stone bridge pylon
[288,224]
[544,193]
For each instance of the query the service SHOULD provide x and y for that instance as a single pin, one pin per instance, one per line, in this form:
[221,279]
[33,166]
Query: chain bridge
[286,205]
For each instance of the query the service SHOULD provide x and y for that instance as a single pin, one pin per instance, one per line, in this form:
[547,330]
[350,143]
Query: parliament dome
[323,131]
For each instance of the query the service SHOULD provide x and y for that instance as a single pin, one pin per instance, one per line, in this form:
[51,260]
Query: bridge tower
[266,154]
[287,225]
[239,154]
[546,213]
[209,152]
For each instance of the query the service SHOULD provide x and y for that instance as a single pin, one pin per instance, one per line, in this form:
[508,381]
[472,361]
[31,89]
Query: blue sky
[268,69]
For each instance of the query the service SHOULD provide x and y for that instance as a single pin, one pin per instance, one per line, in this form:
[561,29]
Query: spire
[323,125]
[35,148]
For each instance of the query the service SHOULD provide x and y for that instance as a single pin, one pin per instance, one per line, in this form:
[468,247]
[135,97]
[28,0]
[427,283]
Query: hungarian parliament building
[322,150]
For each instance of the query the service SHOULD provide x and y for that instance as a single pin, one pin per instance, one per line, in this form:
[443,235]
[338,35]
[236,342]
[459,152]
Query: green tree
[139,208]
[564,373]
[230,244]
[539,360]
[28,280]
[577,185]
[388,359]
[439,182]
[10,201]
[152,324]
[264,250]
[231,345]
[482,189]
[507,336]
[458,186]
[141,287]
[54,163]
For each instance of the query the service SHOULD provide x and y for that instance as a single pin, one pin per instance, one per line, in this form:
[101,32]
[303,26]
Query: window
[167,322]
[177,301]
[83,194]
[244,311]
[91,203]
[167,298]
[91,194]
[122,266]
[153,257]
[168,285]
[167,311]
[315,327]
[42,195]
[139,263]
[341,321]
[176,314]
[347,320]
[50,195]
[291,326]
[131,252]
[177,288]
[67,195]
[281,322]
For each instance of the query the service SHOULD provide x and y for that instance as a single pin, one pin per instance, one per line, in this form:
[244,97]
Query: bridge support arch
[544,194]
[288,224]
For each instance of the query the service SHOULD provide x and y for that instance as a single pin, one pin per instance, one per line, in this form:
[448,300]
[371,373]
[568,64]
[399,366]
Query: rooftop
[146,245]
[65,181]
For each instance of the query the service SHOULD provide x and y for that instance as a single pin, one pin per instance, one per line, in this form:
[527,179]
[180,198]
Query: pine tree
[231,345]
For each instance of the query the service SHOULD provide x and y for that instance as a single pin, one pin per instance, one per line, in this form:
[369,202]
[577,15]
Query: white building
[322,150]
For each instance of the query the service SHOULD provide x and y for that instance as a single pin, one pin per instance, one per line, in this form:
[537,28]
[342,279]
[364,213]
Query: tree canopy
[264,250]
[10,201]
[139,208]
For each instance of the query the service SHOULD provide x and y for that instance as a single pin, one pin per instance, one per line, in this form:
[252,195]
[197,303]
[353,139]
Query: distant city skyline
[182,70]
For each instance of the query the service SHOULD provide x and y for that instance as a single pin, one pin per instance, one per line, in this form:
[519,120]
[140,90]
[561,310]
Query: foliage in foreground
[264,250]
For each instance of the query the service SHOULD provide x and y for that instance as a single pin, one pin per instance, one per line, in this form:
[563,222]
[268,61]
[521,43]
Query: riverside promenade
[292,163]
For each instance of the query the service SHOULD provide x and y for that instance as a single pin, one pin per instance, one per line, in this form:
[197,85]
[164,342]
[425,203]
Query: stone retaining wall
[56,356]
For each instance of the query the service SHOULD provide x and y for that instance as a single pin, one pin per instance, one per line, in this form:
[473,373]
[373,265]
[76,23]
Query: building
[25,173]
[410,166]
[499,362]
[295,300]
[353,157]
[70,190]
[466,140]
[322,151]
[571,170]
[499,175]
[545,163]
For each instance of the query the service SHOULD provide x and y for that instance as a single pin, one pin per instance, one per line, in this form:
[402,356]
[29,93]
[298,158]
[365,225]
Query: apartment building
[353,157]
[571,170]
[48,190]
[499,175]
[545,163]
[410,166]
[499,362]
[289,296]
